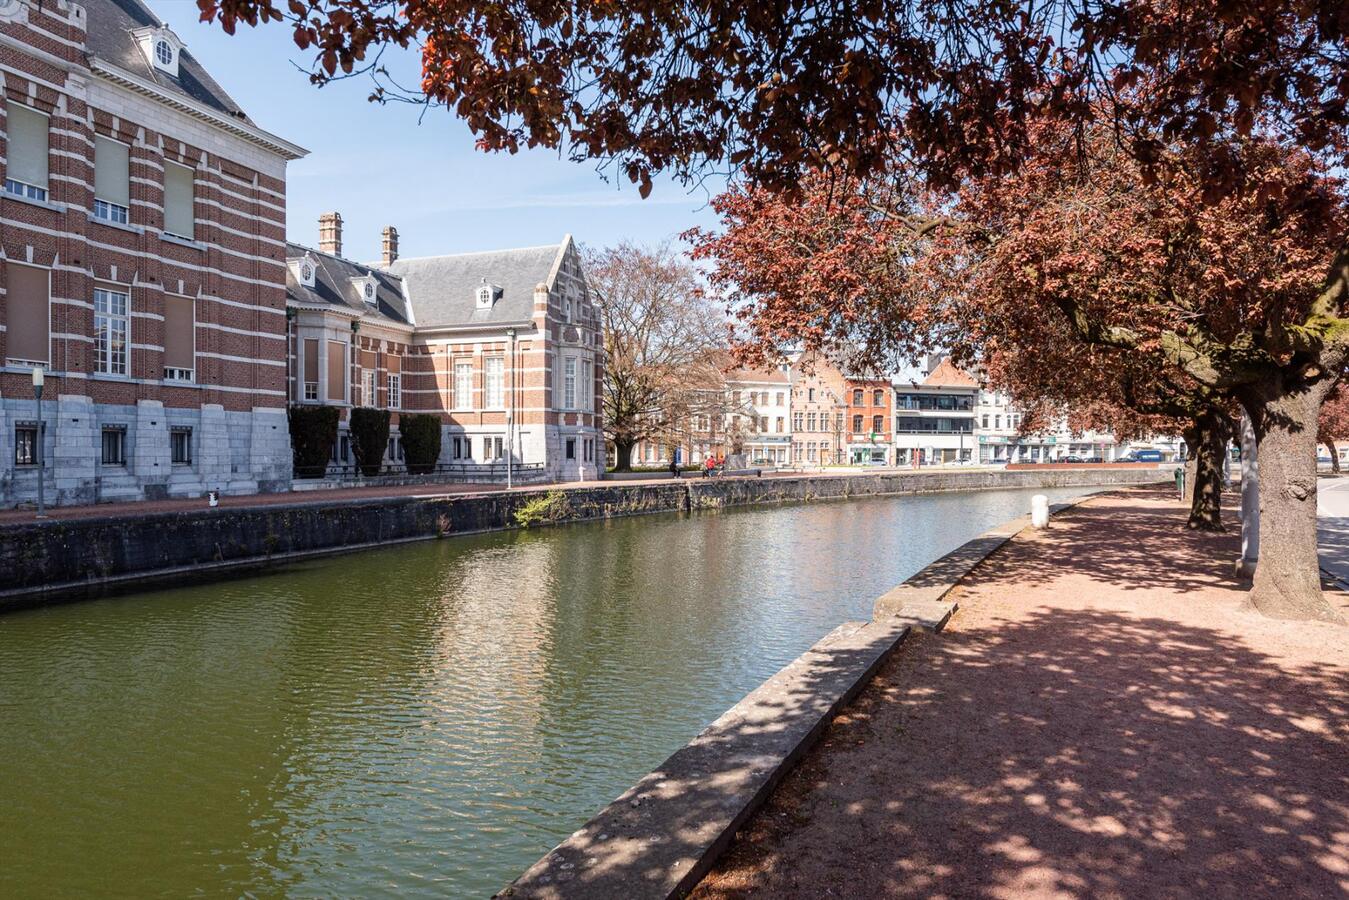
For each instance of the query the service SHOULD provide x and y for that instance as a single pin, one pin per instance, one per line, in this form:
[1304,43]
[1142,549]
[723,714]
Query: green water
[423,720]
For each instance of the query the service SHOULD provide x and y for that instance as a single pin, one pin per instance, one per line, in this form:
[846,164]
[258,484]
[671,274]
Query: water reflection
[426,719]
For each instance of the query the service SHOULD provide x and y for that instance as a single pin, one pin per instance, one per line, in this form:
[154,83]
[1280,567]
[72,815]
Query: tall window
[493,368]
[26,149]
[878,398]
[112,180]
[810,421]
[587,385]
[878,424]
[180,337]
[569,384]
[463,385]
[179,213]
[779,398]
[111,328]
[28,315]
[368,388]
[395,391]
[857,397]
[797,421]
[857,424]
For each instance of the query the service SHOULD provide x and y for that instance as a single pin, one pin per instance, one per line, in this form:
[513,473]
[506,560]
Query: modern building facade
[142,265]
[504,346]
[935,419]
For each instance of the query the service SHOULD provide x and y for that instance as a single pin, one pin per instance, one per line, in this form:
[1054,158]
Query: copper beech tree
[956,88]
[1332,424]
[1218,298]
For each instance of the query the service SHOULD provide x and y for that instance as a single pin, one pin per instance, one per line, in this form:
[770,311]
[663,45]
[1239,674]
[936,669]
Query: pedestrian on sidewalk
[674,463]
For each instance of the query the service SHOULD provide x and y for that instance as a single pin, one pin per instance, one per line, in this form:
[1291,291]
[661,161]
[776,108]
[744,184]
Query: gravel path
[1100,719]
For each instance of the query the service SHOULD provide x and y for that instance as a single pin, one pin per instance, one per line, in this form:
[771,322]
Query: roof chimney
[330,233]
[390,245]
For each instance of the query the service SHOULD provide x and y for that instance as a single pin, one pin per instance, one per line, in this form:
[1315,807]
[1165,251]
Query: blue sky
[378,166]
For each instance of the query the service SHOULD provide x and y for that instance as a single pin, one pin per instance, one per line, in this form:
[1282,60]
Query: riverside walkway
[1100,719]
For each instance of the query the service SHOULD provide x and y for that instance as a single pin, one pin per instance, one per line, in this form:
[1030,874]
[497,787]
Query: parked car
[1072,459]
[1143,456]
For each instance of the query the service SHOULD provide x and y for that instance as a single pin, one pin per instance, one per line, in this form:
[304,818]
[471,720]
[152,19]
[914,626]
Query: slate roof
[443,288]
[333,286]
[110,23]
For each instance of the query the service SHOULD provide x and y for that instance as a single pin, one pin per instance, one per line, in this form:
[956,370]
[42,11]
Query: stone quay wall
[42,561]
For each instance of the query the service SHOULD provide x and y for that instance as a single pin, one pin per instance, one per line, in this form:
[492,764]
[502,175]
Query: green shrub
[421,442]
[541,510]
[313,430]
[369,438]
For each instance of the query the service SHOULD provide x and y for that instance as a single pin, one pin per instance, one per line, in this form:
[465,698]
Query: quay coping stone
[662,835]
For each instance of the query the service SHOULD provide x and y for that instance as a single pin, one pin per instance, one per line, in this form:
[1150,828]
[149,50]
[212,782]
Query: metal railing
[391,471]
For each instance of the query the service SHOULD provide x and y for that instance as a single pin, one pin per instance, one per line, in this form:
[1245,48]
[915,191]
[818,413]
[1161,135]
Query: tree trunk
[1334,457]
[1287,581]
[1207,438]
[623,454]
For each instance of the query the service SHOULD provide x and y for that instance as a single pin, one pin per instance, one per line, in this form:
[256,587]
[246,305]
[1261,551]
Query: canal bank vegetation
[551,508]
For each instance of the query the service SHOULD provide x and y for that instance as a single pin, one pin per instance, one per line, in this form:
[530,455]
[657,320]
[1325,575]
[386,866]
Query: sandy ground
[1100,719]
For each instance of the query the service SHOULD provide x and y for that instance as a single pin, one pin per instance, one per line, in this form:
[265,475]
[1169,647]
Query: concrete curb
[663,835]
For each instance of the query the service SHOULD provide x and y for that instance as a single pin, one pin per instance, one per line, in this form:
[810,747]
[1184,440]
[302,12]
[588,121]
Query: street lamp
[41,457]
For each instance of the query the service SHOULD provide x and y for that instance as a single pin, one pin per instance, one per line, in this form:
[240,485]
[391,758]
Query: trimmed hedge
[369,438]
[421,442]
[313,431]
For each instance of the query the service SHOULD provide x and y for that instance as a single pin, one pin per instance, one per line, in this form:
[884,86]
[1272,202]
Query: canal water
[422,720]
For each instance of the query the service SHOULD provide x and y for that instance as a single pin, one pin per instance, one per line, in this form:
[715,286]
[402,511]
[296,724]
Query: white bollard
[1039,511]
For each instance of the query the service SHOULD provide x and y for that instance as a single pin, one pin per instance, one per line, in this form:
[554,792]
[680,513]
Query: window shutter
[178,197]
[394,365]
[180,333]
[311,360]
[26,314]
[26,134]
[112,172]
[337,371]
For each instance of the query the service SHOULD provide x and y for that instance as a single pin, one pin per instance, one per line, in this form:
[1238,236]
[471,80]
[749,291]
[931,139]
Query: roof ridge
[477,253]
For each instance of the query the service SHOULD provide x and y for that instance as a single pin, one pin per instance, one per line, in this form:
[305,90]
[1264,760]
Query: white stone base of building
[230,452]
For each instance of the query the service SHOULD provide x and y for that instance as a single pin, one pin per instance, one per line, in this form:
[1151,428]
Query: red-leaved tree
[1081,246]
[1332,424]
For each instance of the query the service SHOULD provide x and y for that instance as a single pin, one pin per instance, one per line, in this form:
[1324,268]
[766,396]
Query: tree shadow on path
[1072,752]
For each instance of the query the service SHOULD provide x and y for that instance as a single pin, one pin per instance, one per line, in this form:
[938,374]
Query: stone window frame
[180,445]
[33,445]
[117,446]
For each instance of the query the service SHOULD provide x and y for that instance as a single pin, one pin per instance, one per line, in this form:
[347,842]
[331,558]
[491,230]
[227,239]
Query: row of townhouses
[808,413]
[145,272]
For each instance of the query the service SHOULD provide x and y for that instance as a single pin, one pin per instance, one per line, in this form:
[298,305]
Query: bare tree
[660,331]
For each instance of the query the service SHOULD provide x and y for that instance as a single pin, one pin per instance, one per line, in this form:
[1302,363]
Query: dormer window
[161,48]
[365,288]
[487,294]
[303,270]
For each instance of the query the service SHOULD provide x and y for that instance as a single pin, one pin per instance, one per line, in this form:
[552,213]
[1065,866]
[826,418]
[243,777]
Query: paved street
[1332,508]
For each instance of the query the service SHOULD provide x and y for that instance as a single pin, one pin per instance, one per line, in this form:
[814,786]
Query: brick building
[142,264]
[868,420]
[504,346]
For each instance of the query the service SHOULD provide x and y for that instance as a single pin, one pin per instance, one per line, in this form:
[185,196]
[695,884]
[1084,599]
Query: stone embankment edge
[663,835]
[50,560]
